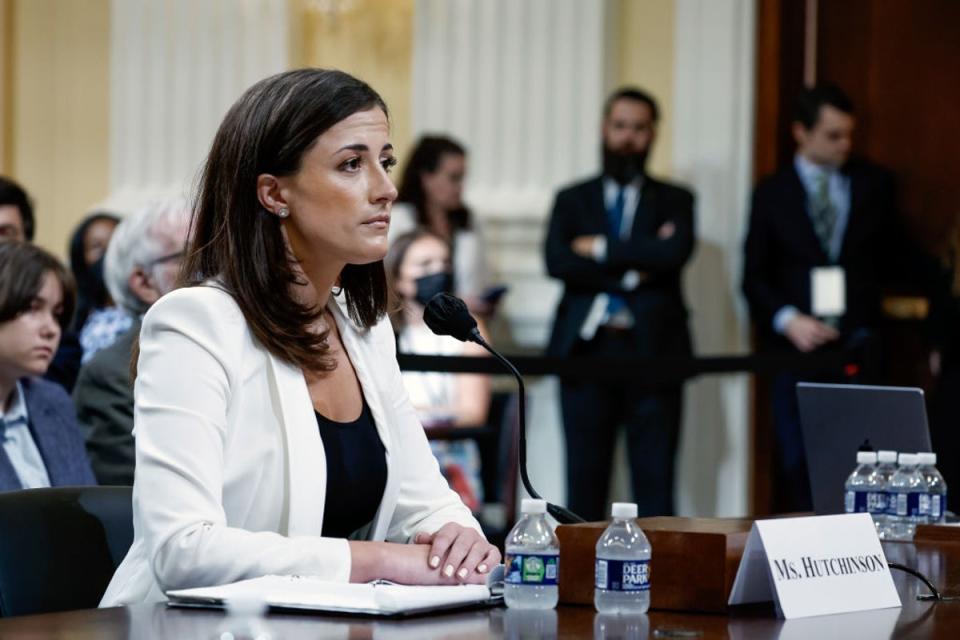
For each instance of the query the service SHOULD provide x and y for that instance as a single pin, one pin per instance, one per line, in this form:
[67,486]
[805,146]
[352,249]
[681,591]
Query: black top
[356,473]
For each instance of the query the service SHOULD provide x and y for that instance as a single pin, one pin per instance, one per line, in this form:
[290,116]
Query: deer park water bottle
[623,564]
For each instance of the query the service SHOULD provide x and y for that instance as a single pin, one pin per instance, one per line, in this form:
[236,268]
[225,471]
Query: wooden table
[939,561]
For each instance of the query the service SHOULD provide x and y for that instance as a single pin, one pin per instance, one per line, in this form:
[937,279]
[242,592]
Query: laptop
[837,418]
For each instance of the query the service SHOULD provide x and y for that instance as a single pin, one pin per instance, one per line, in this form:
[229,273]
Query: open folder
[380,598]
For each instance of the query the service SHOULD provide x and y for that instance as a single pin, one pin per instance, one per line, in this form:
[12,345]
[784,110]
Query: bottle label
[623,575]
[865,502]
[936,508]
[925,504]
[851,500]
[876,502]
[906,504]
[530,568]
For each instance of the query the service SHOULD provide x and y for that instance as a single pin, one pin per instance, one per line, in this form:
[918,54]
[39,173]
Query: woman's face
[443,188]
[425,256]
[28,342]
[96,239]
[340,199]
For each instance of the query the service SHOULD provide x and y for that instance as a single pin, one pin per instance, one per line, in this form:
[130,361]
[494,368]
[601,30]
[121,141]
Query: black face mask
[431,285]
[623,167]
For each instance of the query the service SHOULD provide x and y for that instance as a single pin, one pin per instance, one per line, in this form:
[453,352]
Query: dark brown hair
[425,158]
[236,241]
[12,193]
[635,94]
[812,100]
[23,268]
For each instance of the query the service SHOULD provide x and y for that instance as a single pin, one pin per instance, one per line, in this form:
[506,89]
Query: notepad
[305,593]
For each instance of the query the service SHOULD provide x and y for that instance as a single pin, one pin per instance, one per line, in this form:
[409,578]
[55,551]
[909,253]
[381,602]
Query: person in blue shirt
[40,442]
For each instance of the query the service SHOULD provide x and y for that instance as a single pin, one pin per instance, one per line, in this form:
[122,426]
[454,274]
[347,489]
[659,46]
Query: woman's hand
[459,553]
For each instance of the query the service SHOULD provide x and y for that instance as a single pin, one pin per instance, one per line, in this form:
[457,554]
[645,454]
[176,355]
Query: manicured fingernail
[448,571]
[462,574]
[482,568]
[435,562]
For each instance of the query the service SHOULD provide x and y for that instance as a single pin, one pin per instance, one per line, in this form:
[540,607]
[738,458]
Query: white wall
[176,66]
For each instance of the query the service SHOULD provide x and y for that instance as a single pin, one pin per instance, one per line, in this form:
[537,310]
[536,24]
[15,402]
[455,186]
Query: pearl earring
[283,212]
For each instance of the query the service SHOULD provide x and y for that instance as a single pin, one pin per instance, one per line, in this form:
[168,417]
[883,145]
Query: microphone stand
[560,513]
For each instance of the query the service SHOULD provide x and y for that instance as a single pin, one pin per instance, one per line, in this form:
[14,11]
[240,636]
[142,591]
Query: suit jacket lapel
[48,429]
[596,207]
[9,481]
[795,204]
[643,221]
[306,461]
[853,216]
[350,337]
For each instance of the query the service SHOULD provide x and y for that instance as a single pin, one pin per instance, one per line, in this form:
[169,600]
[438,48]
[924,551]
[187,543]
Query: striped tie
[822,213]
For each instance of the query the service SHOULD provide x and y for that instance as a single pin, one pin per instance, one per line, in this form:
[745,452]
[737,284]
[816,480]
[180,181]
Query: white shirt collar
[611,187]
[18,408]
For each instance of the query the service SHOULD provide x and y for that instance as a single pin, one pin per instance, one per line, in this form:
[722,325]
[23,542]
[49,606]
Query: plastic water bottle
[936,487]
[623,564]
[532,560]
[885,469]
[907,491]
[863,491]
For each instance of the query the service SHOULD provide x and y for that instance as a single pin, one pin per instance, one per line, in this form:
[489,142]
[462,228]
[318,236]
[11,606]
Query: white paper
[828,295]
[815,566]
[297,592]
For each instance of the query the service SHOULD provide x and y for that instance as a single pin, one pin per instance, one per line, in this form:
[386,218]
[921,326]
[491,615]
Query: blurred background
[107,104]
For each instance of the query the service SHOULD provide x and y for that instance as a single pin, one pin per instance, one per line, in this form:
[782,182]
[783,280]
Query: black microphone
[447,315]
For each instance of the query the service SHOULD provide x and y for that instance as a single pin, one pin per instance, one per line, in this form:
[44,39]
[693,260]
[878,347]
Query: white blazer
[230,478]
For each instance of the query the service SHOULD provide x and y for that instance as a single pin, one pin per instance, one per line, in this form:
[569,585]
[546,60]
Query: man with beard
[619,242]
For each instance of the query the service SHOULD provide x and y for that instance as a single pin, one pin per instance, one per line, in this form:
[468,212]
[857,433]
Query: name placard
[815,566]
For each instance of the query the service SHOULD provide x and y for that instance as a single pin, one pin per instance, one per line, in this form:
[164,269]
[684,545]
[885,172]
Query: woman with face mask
[98,320]
[418,266]
[431,197]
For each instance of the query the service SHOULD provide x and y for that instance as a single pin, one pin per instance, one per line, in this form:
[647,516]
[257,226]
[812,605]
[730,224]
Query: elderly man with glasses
[141,265]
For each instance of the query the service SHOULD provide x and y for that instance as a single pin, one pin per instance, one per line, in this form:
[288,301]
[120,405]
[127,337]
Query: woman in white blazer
[250,377]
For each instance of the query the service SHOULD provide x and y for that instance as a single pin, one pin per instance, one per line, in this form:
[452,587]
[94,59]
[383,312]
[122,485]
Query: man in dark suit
[619,242]
[140,265]
[818,231]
